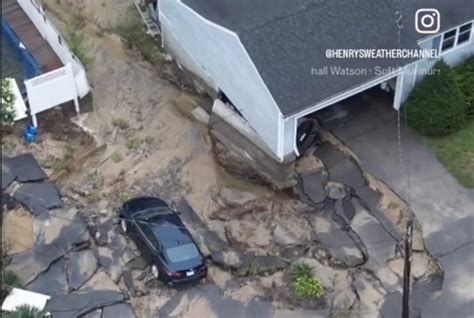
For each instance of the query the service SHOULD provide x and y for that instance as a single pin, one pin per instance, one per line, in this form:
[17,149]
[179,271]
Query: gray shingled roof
[287,38]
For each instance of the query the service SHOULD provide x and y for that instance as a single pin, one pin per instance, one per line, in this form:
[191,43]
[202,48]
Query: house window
[464,33]
[449,39]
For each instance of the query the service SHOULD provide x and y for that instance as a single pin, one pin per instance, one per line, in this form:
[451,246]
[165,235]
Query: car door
[150,246]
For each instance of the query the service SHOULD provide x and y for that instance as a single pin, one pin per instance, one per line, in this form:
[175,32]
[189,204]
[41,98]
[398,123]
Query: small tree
[436,105]
[8,100]
[465,80]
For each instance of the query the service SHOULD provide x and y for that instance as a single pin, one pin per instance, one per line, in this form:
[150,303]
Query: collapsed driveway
[368,125]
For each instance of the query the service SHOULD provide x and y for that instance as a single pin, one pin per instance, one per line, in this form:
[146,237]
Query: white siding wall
[217,56]
[416,71]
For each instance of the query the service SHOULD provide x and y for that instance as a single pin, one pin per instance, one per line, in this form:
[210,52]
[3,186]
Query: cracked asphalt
[368,125]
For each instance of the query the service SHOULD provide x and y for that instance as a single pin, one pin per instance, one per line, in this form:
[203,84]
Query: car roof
[169,230]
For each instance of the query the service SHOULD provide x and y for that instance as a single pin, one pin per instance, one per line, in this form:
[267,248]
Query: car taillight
[176,275]
[203,269]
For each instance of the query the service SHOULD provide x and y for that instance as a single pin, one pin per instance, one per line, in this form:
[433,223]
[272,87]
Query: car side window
[150,237]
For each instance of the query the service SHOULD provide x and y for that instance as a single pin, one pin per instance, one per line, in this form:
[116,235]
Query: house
[267,58]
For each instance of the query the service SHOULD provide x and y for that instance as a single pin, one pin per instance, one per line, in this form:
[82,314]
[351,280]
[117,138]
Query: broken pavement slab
[100,291]
[80,267]
[122,310]
[341,168]
[311,186]
[25,168]
[381,247]
[343,245]
[39,197]
[53,281]
[207,301]
[7,179]
[55,233]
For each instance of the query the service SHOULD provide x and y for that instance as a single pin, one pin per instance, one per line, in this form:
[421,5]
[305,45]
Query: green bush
[8,100]
[25,312]
[465,81]
[436,106]
[304,284]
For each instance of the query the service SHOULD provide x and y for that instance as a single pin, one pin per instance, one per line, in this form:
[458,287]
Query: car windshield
[182,253]
[149,214]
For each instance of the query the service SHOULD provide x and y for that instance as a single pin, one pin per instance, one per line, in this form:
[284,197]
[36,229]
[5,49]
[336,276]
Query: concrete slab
[7,179]
[53,281]
[25,168]
[39,197]
[122,310]
[341,169]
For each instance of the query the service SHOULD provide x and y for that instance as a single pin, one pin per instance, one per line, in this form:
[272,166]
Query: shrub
[436,106]
[8,99]
[304,284]
[465,81]
[25,311]
[75,39]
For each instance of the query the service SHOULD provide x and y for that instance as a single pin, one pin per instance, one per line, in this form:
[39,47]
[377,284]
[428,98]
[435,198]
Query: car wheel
[154,271]
[123,225]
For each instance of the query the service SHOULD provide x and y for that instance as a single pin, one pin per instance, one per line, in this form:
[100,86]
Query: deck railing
[57,43]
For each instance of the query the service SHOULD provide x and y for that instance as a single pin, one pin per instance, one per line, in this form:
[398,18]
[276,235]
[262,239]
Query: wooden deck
[29,35]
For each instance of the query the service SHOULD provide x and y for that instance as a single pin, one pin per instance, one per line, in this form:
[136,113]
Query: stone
[232,260]
[343,300]
[111,262]
[81,266]
[308,164]
[138,263]
[122,310]
[8,202]
[128,256]
[282,236]
[234,197]
[371,296]
[267,264]
[336,191]
[312,187]
[128,280]
[25,168]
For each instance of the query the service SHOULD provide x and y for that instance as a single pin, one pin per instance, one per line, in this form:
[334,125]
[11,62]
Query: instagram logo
[427,21]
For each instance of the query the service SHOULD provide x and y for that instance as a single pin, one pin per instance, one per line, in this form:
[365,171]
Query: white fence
[57,43]
[51,89]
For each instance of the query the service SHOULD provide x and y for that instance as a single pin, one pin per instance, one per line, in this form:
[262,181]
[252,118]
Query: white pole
[35,122]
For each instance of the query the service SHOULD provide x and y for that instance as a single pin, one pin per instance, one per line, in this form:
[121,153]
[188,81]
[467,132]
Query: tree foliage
[8,100]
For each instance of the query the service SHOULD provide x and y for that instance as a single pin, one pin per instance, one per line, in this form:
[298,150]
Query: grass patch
[116,157]
[134,34]
[121,123]
[93,197]
[304,284]
[133,143]
[75,39]
[456,152]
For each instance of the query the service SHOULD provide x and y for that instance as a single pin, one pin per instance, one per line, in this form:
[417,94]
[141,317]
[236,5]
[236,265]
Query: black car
[163,240]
